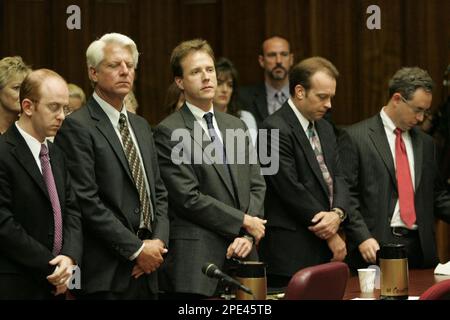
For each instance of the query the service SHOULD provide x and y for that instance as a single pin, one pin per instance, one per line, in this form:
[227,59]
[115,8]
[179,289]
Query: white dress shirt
[33,144]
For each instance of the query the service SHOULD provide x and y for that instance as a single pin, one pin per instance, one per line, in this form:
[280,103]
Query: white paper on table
[443,269]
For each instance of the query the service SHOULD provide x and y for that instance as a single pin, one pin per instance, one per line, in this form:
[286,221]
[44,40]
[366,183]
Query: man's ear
[93,74]
[300,92]
[179,83]
[291,60]
[261,61]
[27,107]
[397,97]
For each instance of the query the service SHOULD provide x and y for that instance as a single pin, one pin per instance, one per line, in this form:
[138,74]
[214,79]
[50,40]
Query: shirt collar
[197,112]
[387,122]
[111,112]
[271,90]
[32,142]
[303,121]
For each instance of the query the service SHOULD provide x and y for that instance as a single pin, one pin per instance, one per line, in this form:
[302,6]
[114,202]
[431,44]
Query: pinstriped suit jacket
[370,172]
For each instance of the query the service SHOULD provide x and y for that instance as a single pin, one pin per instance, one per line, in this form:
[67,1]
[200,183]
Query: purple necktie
[54,199]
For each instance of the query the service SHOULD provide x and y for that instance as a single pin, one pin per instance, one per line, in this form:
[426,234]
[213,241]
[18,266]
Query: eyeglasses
[417,110]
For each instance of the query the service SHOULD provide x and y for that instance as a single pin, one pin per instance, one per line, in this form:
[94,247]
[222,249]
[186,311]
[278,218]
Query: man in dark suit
[113,160]
[265,98]
[390,168]
[40,223]
[307,198]
[216,202]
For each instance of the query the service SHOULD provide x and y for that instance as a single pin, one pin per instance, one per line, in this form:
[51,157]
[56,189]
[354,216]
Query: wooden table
[419,281]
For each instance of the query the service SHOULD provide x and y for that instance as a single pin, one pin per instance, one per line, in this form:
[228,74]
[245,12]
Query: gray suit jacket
[206,209]
[370,172]
[108,197]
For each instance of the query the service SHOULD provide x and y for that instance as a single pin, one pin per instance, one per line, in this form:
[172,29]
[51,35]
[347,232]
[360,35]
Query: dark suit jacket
[108,197]
[205,212]
[296,193]
[370,172]
[26,218]
[254,99]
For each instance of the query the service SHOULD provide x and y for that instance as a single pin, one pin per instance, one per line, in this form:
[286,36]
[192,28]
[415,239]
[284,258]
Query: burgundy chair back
[321,282]
[438,291]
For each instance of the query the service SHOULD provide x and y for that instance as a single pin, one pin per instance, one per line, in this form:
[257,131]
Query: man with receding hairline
[264,99]
[40,223]
[306,200]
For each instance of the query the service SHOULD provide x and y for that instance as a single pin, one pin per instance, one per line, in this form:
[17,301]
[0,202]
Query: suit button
[137,211]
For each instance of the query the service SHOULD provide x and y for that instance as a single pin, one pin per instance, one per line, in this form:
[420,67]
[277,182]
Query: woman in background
[12,72]
[225,99]
[77,98]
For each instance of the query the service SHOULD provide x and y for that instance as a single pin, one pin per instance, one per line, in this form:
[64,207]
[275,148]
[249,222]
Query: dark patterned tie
[319,156]
[134,162]
[218,146]
[404,181]
[49,180]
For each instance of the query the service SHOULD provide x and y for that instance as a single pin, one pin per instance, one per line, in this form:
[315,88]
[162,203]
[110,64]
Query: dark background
[413,32]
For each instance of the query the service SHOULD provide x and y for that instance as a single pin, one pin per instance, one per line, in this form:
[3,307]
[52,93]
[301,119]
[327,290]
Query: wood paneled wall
[413,32]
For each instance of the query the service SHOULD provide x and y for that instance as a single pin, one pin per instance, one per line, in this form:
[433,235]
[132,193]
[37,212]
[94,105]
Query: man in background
[265,98]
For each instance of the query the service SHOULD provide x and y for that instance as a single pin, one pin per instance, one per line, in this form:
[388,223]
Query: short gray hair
[408,79]
[95,53]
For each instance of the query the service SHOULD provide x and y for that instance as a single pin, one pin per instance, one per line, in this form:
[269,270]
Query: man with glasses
[390,167]
[40,223]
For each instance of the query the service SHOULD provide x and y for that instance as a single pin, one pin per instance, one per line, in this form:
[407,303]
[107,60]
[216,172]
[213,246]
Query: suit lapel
[234,168]
[261,102]
[378,136]
[105,127]
[417,144]
[24,156]
[303,140]
[190,121]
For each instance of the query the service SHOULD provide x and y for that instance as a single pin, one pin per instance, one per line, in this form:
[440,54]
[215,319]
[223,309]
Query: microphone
[212,271]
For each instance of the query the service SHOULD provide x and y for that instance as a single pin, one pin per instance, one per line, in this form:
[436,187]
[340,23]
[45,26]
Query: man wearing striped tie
[306,199]
[40,223]
[113,159]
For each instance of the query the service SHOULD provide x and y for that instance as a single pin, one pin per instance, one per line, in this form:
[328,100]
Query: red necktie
[404,181]
[54,199]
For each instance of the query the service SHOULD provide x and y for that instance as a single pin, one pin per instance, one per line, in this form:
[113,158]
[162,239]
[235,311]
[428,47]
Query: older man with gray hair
[112,156]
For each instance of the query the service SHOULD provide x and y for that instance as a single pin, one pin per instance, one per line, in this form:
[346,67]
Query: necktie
[319,156]
[49,180]
[218,146]
[279,100]
[134,162]
[404,181]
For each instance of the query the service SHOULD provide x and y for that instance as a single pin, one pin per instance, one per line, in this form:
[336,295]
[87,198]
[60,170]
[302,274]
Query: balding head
[31,85]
